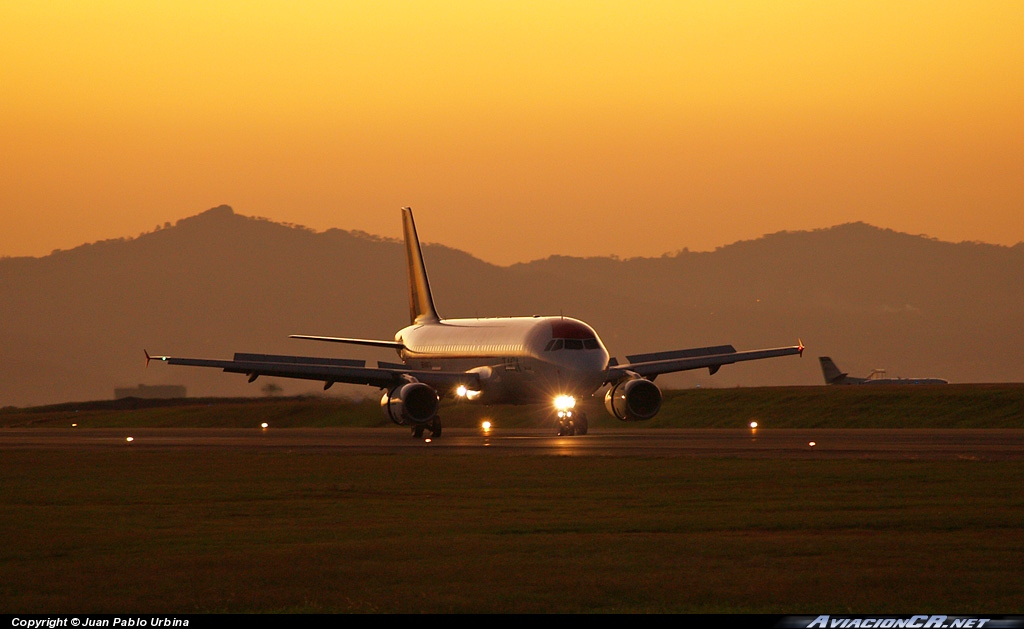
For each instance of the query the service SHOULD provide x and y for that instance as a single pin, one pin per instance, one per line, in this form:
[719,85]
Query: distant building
[145,391]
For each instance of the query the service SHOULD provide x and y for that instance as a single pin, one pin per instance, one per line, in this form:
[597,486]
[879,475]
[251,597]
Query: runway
[907,444]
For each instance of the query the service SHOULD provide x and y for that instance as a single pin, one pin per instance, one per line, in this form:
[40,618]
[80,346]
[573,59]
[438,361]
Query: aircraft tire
[581,423]
[435,427]
[417,431]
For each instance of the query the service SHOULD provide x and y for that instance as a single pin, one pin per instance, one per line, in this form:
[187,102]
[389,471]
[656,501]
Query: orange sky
[516,129]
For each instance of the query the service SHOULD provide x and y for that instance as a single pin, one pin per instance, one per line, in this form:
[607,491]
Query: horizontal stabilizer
[335,339]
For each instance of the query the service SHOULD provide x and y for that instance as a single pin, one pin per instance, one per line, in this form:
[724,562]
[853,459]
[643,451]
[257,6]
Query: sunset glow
[517,130]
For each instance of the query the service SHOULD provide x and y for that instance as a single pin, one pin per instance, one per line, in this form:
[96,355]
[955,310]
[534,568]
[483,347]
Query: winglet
[421,304]
[149,358]
[800,347]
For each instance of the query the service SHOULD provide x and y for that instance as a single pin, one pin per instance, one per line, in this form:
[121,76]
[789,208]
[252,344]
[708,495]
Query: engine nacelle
[633,399]
[410,403]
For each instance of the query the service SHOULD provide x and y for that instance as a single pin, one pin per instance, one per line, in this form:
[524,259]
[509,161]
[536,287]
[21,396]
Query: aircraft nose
[586,361]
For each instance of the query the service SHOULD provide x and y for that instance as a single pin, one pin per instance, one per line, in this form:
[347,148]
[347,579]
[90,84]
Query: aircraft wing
[651,365]
[327,370]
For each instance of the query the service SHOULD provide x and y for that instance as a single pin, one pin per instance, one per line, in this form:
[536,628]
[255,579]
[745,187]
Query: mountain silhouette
[73,324]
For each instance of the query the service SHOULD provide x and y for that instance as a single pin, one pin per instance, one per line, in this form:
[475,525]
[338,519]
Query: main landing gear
[434,426]
[570,424]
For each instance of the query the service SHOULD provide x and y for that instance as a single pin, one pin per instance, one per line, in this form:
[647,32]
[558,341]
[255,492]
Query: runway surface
[981,445]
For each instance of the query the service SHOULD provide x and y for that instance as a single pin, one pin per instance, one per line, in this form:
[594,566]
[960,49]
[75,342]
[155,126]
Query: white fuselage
[518,359]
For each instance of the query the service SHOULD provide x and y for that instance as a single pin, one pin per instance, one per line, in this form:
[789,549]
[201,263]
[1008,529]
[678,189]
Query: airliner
[877,376]
[553,360]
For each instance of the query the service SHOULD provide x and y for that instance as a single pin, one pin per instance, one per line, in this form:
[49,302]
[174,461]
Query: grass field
[951,406]
[234,530]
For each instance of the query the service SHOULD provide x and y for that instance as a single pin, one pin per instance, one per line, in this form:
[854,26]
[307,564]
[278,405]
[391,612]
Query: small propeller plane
[509,360]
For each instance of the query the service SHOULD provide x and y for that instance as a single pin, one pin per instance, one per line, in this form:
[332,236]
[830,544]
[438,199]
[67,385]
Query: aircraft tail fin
[830,371]
[421,304]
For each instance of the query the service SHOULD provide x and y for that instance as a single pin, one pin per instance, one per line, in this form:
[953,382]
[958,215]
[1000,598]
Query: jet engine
[633,399]
[410,403]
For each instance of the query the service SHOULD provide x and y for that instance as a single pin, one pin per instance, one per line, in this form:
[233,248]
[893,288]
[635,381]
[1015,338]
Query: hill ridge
[73,324]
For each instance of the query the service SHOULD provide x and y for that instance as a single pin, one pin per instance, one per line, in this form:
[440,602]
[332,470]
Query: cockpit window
[569,334]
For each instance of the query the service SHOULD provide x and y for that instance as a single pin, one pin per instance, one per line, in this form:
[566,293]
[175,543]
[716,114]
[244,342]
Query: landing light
[486,426]
[565,402]
[753,424]
[469,394]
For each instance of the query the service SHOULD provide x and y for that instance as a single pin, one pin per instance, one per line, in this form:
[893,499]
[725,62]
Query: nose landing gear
[572,423]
